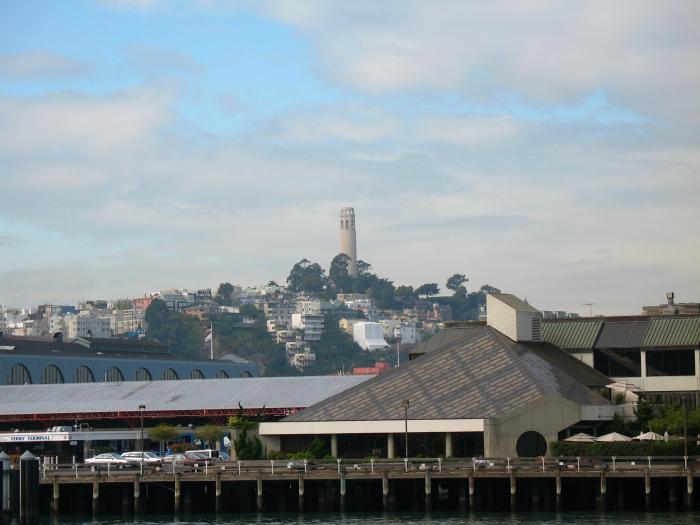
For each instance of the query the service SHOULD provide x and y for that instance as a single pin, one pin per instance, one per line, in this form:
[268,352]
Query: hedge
[623,448]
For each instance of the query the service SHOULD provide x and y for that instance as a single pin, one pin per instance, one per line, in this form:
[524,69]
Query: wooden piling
[56,502]
[259,493]
[647,489]
[178,493]
[300,483]
[557,490]
[217,491]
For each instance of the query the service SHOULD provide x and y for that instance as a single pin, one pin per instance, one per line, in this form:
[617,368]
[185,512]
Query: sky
[550,149]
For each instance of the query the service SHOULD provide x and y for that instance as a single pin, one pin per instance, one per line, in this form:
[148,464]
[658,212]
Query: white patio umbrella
[581,437]
[649,436]
[612,437]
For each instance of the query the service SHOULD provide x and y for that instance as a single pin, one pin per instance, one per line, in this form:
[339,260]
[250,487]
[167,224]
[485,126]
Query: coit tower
[348,240]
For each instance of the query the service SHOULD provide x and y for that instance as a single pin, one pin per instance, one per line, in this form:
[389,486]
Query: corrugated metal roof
[515,302]
[622,334]
[572,334]
[191,394]
[673,332]
[479,373]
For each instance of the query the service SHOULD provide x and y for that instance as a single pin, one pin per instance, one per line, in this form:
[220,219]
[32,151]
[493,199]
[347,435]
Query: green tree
[456,281]
[224,294]
[338,274]
[183,334]
[123,304]
[246,446]
[249,310]
[163,433]
[306,276]
[428,289]
[210,434]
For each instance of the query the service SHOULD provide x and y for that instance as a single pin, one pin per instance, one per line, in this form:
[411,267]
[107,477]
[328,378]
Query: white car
[109,458]
[147,458]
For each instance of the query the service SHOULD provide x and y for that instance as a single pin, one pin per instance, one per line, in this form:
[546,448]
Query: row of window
[627,362]
[19,375]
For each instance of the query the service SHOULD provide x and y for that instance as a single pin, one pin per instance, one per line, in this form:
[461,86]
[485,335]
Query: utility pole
[590,308]
[405,420]
[211,341]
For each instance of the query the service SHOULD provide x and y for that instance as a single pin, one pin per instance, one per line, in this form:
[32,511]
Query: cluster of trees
[182,333]
[310,277]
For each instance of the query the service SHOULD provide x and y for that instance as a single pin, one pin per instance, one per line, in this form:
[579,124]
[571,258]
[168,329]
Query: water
[493,518]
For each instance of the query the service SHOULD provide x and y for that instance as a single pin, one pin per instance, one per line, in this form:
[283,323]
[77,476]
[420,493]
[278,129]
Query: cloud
[643,53]
[39,64]
[7,241]
[462,131]
[80,124]
[150,60]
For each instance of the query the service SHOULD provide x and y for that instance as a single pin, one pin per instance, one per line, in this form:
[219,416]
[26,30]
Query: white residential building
[127,321]
[369,335]
[310,325]
[408,333]
[86,325]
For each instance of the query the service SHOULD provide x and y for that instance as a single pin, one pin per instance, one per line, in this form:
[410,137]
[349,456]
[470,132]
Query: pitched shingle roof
[475,373]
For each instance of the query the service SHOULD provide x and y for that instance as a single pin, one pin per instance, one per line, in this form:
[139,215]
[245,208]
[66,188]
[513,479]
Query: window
[222,374]
[52,375]
[83,375]
[618,362]
[246,374]
[196,374]
[170,374]
[113,374]
[671,363]
[142,375]
[19,375]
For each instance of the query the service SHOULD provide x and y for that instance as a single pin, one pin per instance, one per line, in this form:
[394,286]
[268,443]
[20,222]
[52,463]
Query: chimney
[669,297]
[513,317]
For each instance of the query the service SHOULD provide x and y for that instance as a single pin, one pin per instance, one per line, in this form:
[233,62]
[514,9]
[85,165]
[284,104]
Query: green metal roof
[672,331]
[572,334]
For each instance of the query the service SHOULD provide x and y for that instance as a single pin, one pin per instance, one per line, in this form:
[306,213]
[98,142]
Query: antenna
[590,308]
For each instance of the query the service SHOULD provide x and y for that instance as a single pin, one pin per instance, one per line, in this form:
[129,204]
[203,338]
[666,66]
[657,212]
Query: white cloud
[462,131]
[644,53]
[34,65]
[80,124]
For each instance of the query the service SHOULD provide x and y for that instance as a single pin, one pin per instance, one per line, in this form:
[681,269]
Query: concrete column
[137,496]
[334,445]
[600,492]
[472,490]
[390,446]
[301,492]
[643,365]
[56,495]
[259,493]
[95,496]
[513,488]
[557,490]
[689,489]
[462,495]
[386,499]
[428,490]
[697,363]
[647,488]
[178,493]
[217,491]
[343,490]
[448,445]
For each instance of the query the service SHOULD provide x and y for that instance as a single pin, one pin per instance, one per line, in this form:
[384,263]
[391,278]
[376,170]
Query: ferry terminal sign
[28,438]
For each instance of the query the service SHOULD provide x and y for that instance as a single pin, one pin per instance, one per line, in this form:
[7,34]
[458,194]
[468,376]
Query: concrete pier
[259,493]
[300,486]
[647,489]
[428,488]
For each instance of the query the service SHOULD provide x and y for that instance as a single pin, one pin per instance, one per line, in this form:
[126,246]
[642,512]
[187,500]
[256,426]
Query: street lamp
[142,409]
[405,421]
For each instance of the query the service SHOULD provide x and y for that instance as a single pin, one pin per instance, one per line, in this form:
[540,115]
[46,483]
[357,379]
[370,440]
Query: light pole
[142,409]
[405,422]
[685,428]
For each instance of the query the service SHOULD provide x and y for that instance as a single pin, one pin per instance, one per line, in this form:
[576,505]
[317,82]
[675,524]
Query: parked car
[147,458]
[108,458]
[181,459]
[202,456]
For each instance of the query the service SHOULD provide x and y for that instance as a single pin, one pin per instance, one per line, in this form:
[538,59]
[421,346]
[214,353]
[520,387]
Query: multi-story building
[280,312]
[346,324]
[311,325]
[299,354]
[87,325]
[142,303]
[128,321]
[369,335]
[313,307]
[672,308]
[407,333]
